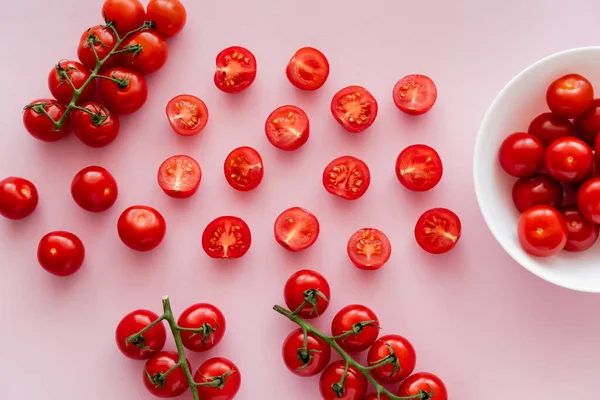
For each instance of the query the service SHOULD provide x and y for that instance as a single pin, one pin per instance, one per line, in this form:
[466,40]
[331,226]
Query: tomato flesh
[354,108]
[308,69]
[236,69]
[244,169]
[296,229]
[347,177]
[287,128]
[18,198]
[542,231]
[415,94]
[438,230]
[179,176]
[188,115]
[419,168]
[369,249]
[582,233]
[570,96]
[226,237]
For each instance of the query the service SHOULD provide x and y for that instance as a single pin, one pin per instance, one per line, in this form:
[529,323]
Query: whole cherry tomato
[287,128]
[542,231]
[521,154]
[141,228]
[308,69]
[369,249]
[568,159]
[582,233]
[78,74]
[296,229]
[419,168]
[426,382]
[169,16]
[306,360]
[150,342]
[244,169]
[355,108]
[126,96]
[570,96]
[359,323]
[103,40]
[226,237]
[309,290]
[94,189]
[236,69]
[438,230]
[207,317]
[61,253]
[160,385]
[39,125]
[179,176]
[588,125]
[537,190]
[588,200]
[98,129]
[404,357]
[347,177]
[548,127]
[127,15]
[415,94]
[18,197]
[224,375]
[354,387]
[187,114]
[151,54]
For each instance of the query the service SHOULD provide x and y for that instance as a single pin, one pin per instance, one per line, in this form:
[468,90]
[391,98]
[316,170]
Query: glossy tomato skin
[537,190]
[18,198]
[570,96]
[423,381]
[169,16]
[582,233]
[153,340]
[127,15]
[568,159]
[141,228]
[95,131]
[355,108]
[548,127]
[588,200]
[124,100]
[307,285]
[355,385]
[415,94]
[296,229]
[287,128]
[61,253]
[405,355]
[347,177]
[153,55]
[175,383]
[542,231]
[308,69]
[419,168]
[236,69]
[218,368]
[60,87]
[41,127]
[244,169]
[226,237]
[179,176]
[202,315]
[369,249]
[188,115]
[344,321]
[309,362]
[588,125]
[438,230]
[94,189]
[104,42]
[521,154]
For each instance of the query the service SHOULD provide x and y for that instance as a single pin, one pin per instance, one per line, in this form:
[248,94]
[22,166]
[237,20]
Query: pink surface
[490,329]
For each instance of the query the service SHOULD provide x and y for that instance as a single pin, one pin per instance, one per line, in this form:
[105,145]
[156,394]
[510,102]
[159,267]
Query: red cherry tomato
[423,381]
[187,114]
[309,290]
[287,128]
[354,108]
[152,54]
[179,176]
[306,360]
[151,342]
[18,198]
[296,229]
[415,94]
[104,42]
[127,15]
[308,69]
[347,177]
[169,16]
[207,317]
[570,96]
[438,230]
[61,253]
[548,127]
[582,234]
[361,321]
[568,159]
[78,74]
[542,231]
[521,154]
[588,200]
[404,354]
[94,189]
[354,388]
[244,169]
[97,130]
[369,249]
[419,168]
[222,371]
[141,228]
[126,97]
[226,237]
[588,125]
[537,190]
[172,385]
[236,69]
[39,125]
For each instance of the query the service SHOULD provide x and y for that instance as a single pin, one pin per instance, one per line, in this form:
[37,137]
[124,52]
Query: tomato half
[308,360]
[18,198]
[103,40]
[423,381]
[151,55]
[347,177]
[542,231]
[61,253]
[570,96]
[296,229]
[141,228]
[226,237]
[94,189]
[236,69]
[438,230]
[157,383]
[537,190]
[244,169]
[582,233]
[127,15]
[521,154]
[127,96]
[405,358]
[307,292]
[419,168]
[179,176]
[169,16]
[287,128]
[369,249]
[78,74]
[588,125]
[354,387]
[187,114]
[39,125]
[548,127]
[363,324]
[588,200]
[354,108]
[207,317]
[308,69]
[222,372]
[97,130]
[151,342]
[568,159]
[414,94]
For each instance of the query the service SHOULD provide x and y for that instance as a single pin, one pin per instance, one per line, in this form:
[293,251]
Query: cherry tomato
[187,114]
[18,198]
[61,253]
[169,16]
[305,361]
[542,231]
[361,321]
[354,108]
[152,54]
[207,317]
[308,69]
[347,177]
[309,290]
[287,128]
[438,230]
[415,94]
[419,168]
[97,130]
[537,190]
[570,96]
[296,229]
[94,189]
[404,354]
[582,234]
[157,383]
[588,200]
[521,154]
[568,159]
[226,237]
[103,40]
[126,97]
[141,228]
[39,125]
[151,342]
[355,384]
[423,381]
[236,69]
[127,15]
[244,169]
[222,371]
[369,249]
[588,125]
[548,127]
[179,176]
[78,74]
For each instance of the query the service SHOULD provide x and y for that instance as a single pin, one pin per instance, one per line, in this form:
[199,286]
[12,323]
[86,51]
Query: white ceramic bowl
[513,109]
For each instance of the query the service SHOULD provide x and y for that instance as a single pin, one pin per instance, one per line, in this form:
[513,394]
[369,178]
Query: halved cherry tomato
[127,15]
[570,96]
[187,114]
[548,127]
[438,230]
[205,316]
[401,350]
[169,16]
[305,359]
[141,228]
[542,231]
[151,342]
[296,229]
[94,189]
[582,233]
[226,237]
[426,382]
[222,371]
[308,69]
[127,96]
[78,74]
[354,108]
[244,169]
[355,383]
[97,130]
[308,293]
[360,323]
[236,69]
[39,125]
[18,198]
[588,125]
[521,154]
[537,190]
[415,94]
[369,249]
[568,159]
[172,385]
[347,177]
[419,168]
[287,128]
[61,253]
[179,176]
[588,200]
[152,55]
[103,40]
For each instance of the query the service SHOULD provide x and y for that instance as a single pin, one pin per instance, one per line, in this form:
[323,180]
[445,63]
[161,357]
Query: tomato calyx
[389,359]
[40,108]
[99,117]
[311,296]
[206,330]
[305,355]
[218,382]
[357,328]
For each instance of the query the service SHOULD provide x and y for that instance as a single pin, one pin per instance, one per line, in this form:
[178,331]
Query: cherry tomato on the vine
[58,81]
[104,42]
[127,15]
[244,169]
[141,228]
[97,130]
[126,96]
[360,323]
[542,231]
[179,176]
[18,197]
[570,96]
[305,361]
[419,168]
[307,289]
[222,371]
[588,200]
[347,177]
[308,69]
[537,190]
[151,342]
[404,353]
[588,125]
[207,317]
[568,159]
[354,388]
[160,385]
[169,16]
[287,128]
[438,230]
[94,189]
[296,229]
[226,237]
[369,249]
[61,253]
[415,94]
[582,233]
[521,154]
[39,125]
[187,114]
[236,69]
[548,127]
[151,55]
[355,108]
[423,381]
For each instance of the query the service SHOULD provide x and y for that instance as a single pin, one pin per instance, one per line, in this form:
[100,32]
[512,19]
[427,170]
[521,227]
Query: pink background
[490,329]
